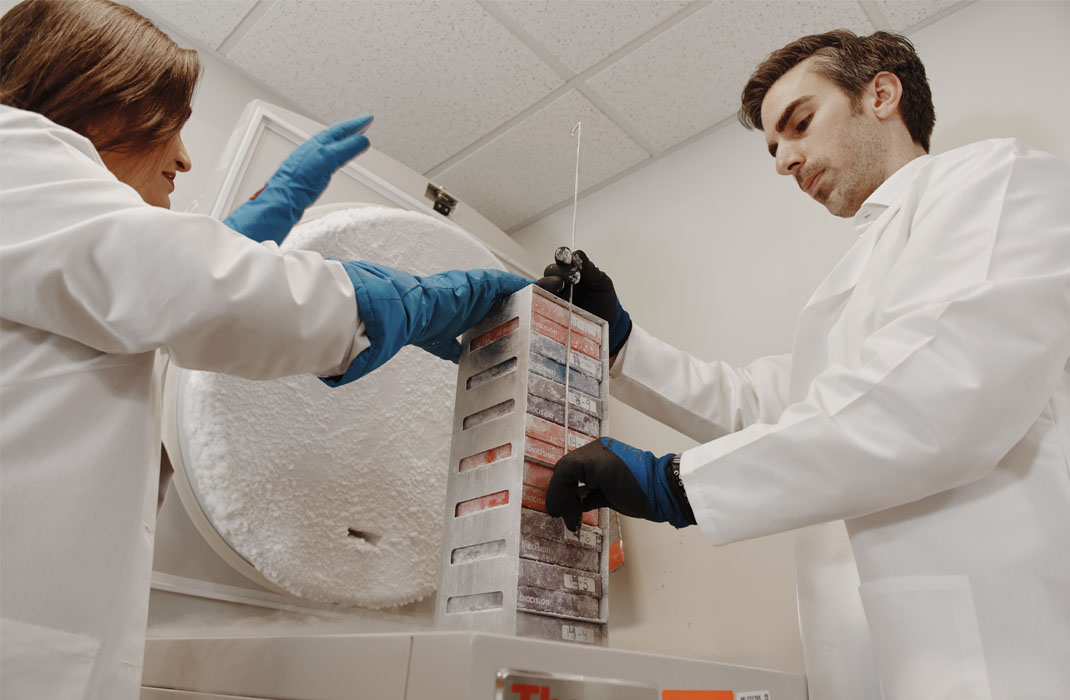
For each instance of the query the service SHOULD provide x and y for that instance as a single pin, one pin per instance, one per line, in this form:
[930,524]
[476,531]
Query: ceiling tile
[437,75]
[689,78]
[580,34]
[206,21]
[531,167]
[903,14]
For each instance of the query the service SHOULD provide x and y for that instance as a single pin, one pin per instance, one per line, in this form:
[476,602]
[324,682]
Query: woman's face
[152,174]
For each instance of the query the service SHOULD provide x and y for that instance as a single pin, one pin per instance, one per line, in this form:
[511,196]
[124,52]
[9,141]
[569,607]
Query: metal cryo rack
[507,567]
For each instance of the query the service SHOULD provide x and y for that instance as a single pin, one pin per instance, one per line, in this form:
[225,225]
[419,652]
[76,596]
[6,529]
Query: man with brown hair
[854,149]
[925,403]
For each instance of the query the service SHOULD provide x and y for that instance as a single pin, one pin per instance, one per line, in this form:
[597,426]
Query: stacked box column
[507,566]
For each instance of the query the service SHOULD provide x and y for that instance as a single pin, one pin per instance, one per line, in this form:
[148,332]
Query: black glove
[594,292]
[615,475]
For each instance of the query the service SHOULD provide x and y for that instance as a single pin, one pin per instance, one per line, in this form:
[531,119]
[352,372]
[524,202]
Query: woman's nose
[183,163]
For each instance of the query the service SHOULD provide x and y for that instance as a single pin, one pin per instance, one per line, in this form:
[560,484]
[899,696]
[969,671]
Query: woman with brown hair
[96,276]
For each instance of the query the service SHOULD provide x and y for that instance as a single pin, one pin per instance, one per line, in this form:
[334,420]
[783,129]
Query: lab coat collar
[887,194]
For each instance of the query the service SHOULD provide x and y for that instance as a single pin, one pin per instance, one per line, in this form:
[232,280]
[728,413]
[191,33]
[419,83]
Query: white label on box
[754,695]
[586,537]
[588,404]
[588,365]
[579,583]
[587,328]
[573,633]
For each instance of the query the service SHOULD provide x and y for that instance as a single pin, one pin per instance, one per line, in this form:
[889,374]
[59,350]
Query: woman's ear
[105,133]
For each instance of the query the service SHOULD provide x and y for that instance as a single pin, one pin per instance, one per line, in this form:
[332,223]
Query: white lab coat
[926,403]
[92,283]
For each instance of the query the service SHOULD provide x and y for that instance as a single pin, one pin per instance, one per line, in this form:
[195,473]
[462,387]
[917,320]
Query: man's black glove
[593,292]
[615,475]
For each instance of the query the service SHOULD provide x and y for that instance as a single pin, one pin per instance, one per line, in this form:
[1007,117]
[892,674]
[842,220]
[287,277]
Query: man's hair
[97,68]
[850,61]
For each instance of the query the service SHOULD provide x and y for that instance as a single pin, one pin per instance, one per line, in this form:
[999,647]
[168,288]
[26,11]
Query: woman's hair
[850,61]
[97,68]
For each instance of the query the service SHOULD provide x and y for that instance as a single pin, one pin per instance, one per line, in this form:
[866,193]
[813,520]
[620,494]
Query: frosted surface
[336,495]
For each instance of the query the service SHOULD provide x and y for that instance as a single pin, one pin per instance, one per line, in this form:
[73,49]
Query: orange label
[542,451]
[616,555]
[557,333]
[559,314]
[474,505]
[535,499]
[537,475]
[494,334]
[495,454]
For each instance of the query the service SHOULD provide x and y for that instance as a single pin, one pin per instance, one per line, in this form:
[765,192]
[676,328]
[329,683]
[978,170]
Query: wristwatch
[672,471]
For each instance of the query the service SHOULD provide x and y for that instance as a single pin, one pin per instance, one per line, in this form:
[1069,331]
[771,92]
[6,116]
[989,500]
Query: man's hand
[594,292]
[608,473]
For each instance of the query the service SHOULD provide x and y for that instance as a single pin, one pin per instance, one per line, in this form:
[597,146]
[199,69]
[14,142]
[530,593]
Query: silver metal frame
[500,573]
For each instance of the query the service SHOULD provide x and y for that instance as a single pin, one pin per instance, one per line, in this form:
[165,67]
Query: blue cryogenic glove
[593,292]
[615,475]
[400,309]
[300,180]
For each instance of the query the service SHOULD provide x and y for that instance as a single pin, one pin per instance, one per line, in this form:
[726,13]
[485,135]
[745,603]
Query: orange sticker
[535,499]
[494,334]
[537,475]
[559,315]
[475,505]
[495,454]
[616,555]
[557,333]
[544,452]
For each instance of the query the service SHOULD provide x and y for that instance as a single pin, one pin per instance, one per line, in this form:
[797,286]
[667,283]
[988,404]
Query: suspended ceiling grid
[482,96]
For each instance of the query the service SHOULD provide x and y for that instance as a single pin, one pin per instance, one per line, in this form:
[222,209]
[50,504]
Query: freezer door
[266,134]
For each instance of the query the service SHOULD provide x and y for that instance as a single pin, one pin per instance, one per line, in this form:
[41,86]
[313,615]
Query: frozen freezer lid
[333,495]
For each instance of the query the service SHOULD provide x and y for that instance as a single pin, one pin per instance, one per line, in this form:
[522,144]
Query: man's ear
[886,91]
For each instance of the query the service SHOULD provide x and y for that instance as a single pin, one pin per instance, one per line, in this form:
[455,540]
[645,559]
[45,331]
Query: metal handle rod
[577,132]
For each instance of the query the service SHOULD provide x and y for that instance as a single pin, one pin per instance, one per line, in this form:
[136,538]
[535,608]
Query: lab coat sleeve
[84,257]
[972,334]
[703,400]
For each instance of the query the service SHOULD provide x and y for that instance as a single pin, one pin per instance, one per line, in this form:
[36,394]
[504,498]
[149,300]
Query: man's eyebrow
[785,117]
[783,121]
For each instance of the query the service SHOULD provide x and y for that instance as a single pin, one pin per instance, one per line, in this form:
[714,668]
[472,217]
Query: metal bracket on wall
[443,202]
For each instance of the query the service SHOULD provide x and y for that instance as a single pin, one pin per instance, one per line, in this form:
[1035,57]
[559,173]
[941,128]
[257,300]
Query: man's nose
[788,159]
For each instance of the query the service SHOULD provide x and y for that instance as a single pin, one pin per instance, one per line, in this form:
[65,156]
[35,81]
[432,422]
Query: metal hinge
[443,203]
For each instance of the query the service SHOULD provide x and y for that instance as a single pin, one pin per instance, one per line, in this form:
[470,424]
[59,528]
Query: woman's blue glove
[617,476]
[300,180]
[400,309]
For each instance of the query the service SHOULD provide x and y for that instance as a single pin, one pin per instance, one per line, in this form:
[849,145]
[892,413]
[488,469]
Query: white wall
[221,95]
[713,252]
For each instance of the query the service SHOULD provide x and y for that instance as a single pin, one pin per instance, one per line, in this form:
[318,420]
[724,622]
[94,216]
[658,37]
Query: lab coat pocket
[926,640]
[41,662]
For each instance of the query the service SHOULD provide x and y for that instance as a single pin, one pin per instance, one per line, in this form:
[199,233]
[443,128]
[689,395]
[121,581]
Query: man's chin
[841,209]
